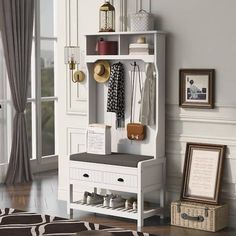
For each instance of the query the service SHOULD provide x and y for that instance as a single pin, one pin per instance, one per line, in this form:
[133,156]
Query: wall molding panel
[171,137]
[76,140]
[202,119]
[76,95]
[76,99]
[223,114]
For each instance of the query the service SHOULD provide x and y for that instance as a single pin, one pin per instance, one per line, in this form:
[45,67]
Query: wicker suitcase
[199,216]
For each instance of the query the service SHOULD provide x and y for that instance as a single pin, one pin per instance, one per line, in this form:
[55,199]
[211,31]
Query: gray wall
[201,34]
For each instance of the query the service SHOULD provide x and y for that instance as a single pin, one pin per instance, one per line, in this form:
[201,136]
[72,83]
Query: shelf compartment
[126,40]
[120,211]
[145,58]
[92,41]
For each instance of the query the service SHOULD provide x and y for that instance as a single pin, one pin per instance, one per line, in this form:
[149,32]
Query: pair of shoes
[113,201]
[94,199]
[131,204]
[86,194]
[128,204]
[117,201]
[135,206]
[106,199]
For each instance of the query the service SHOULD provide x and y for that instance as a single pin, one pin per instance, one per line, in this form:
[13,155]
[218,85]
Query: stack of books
[140,49]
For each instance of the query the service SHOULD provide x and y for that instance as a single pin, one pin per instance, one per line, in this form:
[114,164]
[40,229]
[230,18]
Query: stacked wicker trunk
[199,216]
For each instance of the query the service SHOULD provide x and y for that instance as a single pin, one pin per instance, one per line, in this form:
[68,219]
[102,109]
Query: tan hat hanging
[102,71]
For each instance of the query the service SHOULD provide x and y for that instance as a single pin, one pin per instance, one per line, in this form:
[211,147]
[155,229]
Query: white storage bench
[119,172]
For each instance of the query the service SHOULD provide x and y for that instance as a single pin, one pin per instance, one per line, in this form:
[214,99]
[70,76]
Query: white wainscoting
[201,126]
[76,140]
[75,143]
[76,98]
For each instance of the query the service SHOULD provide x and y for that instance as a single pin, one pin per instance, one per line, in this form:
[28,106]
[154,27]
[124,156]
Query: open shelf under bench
[120,211]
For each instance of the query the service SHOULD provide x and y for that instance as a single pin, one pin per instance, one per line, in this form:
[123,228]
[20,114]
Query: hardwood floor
[41,196]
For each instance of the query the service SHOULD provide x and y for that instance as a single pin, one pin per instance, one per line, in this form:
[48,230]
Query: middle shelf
[145,58]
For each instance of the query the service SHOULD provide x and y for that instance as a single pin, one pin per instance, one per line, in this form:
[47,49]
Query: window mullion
[38,131]
[48,99]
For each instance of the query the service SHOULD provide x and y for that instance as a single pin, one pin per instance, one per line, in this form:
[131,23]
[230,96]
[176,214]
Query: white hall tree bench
[137,167]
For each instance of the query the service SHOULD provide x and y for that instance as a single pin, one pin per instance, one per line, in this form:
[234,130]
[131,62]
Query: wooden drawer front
[120,179]
[85,175]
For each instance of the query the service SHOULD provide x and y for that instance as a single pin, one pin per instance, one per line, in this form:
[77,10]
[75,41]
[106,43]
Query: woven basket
[199,216]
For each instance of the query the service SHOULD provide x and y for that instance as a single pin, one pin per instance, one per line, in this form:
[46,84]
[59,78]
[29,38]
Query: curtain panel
[16,25]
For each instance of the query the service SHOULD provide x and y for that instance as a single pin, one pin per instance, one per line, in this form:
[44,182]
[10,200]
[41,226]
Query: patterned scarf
[116,94]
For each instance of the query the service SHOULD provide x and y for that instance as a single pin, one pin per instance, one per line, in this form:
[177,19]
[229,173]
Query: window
[5,113]
[41,104]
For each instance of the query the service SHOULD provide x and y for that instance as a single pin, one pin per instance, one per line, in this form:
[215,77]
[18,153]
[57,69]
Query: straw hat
[101,71]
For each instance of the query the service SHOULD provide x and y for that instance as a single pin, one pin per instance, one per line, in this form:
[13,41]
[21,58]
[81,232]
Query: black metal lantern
[107,18]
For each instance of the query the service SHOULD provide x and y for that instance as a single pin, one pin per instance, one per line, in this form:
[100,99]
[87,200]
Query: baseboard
[45,164]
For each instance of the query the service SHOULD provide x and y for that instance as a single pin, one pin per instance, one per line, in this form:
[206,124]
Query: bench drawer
[120,179]
[86,175]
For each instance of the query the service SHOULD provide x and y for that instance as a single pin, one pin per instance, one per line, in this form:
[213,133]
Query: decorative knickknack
[141,21]
[107,18]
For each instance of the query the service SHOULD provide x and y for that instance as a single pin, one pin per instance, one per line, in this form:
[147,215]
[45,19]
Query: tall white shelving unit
[148,173]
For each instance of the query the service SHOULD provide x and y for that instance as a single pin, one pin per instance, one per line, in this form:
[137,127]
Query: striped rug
[19,223]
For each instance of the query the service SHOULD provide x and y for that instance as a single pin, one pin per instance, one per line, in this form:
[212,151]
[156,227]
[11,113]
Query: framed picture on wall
[202,173]
[196,88]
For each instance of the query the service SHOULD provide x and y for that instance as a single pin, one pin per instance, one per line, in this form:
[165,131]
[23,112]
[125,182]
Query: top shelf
[124,39]
[126,33]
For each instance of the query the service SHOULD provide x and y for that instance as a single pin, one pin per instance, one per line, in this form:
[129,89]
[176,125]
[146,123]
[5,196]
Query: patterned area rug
[19,223]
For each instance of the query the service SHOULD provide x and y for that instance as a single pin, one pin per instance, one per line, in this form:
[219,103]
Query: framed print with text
[196,88]
[202,173]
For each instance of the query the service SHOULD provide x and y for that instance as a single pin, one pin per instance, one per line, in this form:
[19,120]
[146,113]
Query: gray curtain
[16,24]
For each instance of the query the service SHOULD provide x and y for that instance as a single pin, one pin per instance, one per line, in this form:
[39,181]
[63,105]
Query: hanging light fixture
[72,53]
[107,18]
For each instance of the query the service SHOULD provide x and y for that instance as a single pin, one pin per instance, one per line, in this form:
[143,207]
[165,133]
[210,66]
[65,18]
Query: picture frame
[196,88]
[202,173]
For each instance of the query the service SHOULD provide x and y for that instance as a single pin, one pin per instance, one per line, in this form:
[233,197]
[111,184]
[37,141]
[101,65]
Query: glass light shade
[71,54]
[107,18]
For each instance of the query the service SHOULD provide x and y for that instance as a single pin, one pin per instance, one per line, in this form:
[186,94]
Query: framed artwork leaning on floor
[203,168]
[196,88]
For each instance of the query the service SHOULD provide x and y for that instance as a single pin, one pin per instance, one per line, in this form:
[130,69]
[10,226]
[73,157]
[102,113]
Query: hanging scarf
[116,94]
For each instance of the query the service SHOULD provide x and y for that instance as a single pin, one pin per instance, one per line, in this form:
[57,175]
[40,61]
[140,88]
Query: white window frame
[7,104]
[36,98]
